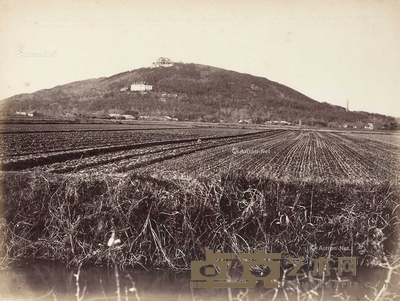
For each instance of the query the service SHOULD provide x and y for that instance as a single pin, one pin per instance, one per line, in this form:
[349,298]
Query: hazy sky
[328,50]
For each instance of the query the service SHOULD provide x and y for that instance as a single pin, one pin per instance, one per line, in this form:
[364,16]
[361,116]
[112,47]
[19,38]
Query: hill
[190,92]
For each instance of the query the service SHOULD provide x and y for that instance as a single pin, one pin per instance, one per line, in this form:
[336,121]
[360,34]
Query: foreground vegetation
[168,223]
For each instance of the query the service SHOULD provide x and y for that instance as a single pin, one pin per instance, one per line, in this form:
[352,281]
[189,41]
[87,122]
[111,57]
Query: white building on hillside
[369,126]
[141,86]
[21,113]
[30,113]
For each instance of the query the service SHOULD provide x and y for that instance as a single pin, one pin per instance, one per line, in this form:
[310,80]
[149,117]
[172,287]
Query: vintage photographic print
[189,150]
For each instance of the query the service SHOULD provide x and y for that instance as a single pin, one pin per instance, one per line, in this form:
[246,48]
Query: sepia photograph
[189,150]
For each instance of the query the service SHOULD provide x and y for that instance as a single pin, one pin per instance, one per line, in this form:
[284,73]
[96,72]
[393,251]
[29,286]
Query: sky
[331,51]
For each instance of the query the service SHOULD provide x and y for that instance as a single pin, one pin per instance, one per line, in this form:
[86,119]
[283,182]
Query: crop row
[152,139]
[31,143]
[292,154]
[278,154]
[391,139]
[83,127]
[126,161]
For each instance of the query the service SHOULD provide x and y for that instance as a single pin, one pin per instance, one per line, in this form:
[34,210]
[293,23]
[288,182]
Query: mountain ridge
[190,92]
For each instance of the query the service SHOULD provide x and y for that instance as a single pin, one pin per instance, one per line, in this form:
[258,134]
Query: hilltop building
[163,62]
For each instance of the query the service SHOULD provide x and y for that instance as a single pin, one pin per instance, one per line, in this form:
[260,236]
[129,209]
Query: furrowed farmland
[205,152]
[170,193]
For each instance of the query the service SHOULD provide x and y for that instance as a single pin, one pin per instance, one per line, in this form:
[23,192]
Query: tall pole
[347,106]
